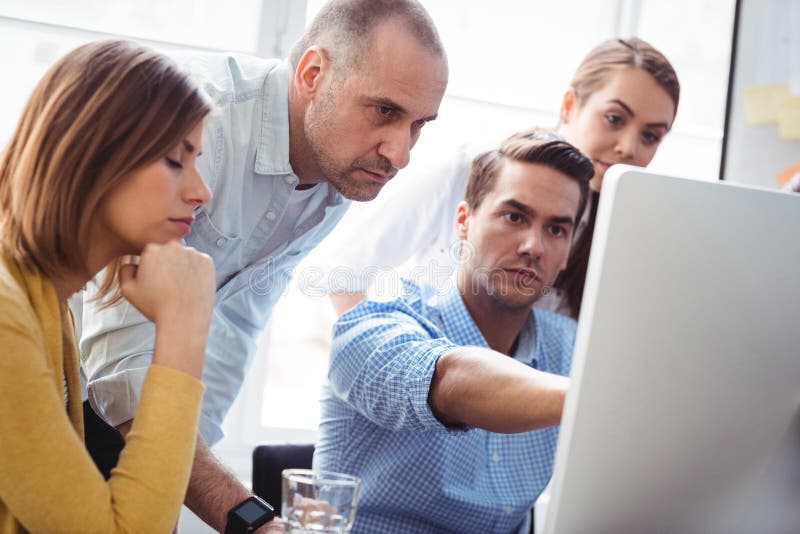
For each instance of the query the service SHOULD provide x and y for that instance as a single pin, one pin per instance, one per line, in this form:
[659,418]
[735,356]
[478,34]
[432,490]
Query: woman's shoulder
[15,292]
[11,282]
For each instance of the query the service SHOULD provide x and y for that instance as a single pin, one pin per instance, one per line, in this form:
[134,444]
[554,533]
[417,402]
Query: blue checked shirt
[245,162]
[418,475]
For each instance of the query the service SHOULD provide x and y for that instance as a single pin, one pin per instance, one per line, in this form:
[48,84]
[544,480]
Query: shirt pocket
[205,237]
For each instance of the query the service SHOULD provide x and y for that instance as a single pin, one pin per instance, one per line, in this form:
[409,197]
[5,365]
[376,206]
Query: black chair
[103,442]
[268,463]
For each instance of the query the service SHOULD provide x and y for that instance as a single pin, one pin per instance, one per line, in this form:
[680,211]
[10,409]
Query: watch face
[250,511]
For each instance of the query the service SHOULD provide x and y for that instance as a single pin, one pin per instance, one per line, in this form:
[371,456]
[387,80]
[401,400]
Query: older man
[446,404]
[290,140]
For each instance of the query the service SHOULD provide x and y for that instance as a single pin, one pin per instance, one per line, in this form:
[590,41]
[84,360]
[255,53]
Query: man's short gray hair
[344,29]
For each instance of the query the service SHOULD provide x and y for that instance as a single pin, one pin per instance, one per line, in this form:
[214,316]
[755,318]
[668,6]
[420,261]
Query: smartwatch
[248,515]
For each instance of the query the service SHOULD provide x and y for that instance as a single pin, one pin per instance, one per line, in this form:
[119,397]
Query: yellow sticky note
[761,102]
[789,118]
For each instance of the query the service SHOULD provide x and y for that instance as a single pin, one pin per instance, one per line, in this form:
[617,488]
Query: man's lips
[523,274]
[379,177]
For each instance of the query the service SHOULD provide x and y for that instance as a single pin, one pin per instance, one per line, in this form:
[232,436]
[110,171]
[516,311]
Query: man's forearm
[485,389]
[213,490]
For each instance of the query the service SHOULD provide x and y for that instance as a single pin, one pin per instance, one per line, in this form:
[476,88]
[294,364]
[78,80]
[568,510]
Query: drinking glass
[318,501]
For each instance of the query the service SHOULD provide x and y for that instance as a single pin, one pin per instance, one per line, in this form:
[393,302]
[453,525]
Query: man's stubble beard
[496,288]
[318,128]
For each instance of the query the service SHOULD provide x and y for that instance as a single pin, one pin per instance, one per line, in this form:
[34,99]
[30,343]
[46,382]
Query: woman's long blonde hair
[101,112]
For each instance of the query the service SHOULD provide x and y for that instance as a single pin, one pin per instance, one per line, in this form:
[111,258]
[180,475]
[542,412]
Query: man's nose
[532,244]
[396,147]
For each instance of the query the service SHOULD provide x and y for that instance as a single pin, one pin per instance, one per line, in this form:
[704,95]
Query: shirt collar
[461,328]
[528,346]
[458,322]
[272,154]
[334,197]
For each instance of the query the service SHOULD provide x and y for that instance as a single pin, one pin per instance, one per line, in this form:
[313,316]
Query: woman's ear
[567,105]
[310,72]
[462,218]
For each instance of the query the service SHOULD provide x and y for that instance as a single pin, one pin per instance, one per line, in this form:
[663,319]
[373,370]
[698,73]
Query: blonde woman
[101,165]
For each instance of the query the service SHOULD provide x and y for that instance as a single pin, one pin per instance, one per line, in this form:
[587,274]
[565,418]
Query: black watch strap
[249,515]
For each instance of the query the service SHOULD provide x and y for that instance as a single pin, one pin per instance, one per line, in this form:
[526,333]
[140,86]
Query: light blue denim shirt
[245,162]
[419,476]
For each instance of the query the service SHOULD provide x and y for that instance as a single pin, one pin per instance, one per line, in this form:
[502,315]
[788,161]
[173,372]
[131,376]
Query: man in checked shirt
[446,405]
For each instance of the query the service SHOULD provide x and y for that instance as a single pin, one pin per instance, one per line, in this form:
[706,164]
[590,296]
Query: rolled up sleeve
[116,348]
[382,364]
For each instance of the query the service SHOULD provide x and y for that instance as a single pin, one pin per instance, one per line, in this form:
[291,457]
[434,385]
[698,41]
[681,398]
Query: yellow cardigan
[48,482]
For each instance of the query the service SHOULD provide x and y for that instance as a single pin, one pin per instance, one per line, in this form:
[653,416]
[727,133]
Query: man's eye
[385,111]
[513,217]
[558,231]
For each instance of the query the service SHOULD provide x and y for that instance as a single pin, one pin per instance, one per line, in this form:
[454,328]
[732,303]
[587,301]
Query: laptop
[683,410]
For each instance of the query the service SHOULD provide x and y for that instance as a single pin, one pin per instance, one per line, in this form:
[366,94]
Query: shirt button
[495,457]
[508,510]
[270,215]
[220,241]
[289,179]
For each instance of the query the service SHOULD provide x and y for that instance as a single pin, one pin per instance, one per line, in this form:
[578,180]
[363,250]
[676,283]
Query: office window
[696,36]
[35,33]
[199,23]
[27,52]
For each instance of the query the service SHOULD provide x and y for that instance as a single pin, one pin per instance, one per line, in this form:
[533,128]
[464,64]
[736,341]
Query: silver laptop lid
[682,414]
